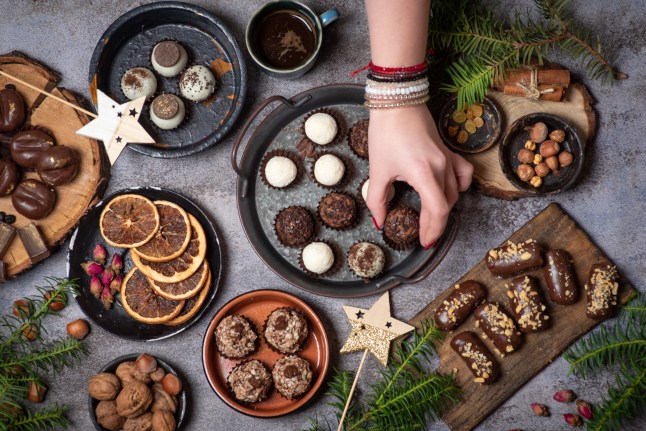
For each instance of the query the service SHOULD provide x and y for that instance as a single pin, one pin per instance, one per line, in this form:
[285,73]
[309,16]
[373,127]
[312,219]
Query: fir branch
[51,418]
[53,356]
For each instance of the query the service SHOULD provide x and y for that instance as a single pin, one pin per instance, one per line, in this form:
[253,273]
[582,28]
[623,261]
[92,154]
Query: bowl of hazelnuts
[137,392]
[541,154]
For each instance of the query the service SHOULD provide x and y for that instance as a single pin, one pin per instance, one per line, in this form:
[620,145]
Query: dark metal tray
[258,204]
[128,43]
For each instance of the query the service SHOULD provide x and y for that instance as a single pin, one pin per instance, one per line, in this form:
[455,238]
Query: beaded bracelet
[391,78]
[395,70]
[413,102]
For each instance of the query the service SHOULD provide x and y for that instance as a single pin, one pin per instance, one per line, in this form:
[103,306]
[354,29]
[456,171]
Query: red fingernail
[375,223]
[430,245]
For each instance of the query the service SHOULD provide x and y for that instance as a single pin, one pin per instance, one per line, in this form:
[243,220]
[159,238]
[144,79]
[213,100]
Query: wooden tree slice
[576,109]
[75,198]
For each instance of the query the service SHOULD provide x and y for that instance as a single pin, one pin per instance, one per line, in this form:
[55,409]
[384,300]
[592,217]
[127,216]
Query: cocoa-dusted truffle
[236,337]
[338,210]
[294,226]
[358,139]
[286,329]
[138,82]
[401,227]
[197,83]
[366,259]
[292,376]
[33,199]
[250,381]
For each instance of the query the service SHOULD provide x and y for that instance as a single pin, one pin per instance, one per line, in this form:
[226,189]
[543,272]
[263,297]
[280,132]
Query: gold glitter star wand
[372,330]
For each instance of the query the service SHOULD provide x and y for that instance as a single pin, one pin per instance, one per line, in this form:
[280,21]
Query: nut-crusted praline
[402,226]
[338,210]
[366,259]
[250,381]
[286,329]
[358,138]
[235,337]
[292,376]
[294,226]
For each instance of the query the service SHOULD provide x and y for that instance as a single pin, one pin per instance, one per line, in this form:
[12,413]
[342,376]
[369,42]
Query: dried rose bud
[96,287]
[116,263]
[564,396]
[573,420]
[584,408]
[92,268]
[115,284]
[100,254]
[106,276]
[107,298]
[540,409]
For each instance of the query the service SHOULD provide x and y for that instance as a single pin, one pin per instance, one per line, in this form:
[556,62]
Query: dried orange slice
[171,238]
[129,221]
[192,305]
[183,266]
[142,303]
[184,289]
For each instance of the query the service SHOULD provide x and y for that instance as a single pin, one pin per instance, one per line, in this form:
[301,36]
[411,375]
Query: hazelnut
[525,172]
[78,329]
[22,308]
[171,384]
[525,155]
[140,423]
[542,170]
[537,159]
[163,420]
[531,146]
[134,399]
[566,158]
[553,163]
[104,386]
[36,392]
[157,375]
[30,332]
[146,363]
[537,132]
[558,136]
[549,148]
[58,302]
[536,181]
[162,400]
[107,416]
[128,373]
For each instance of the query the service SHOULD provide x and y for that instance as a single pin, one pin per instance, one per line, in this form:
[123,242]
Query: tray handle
[289,103]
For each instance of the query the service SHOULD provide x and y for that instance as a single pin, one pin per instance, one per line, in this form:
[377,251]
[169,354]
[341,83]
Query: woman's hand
[404,145]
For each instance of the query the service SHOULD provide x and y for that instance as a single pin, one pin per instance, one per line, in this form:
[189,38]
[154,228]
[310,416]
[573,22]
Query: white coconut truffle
[321,128]
[197,83]
[169,58]
[138,82]
[167,111]
[364,191]
[329,170]
[280,171]
[367,260]
[318,257]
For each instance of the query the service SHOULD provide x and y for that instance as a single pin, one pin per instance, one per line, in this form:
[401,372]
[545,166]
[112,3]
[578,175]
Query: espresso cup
[284,37]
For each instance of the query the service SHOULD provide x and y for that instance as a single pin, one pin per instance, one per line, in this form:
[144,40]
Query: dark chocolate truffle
[294,226]
[286,329]
[57,165]
[9,177]
[33,199]
[250,381]
[12,109]
[27,147]
[292,376]
[338,210]
[358,139]
[401,227]
[236,337]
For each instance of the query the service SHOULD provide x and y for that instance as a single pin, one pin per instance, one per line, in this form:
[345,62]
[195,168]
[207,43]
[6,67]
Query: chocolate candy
[459,304]
[7,233]
[57,165]
[559,276]
[601,290]
[499,327]
[513,259]
[33,199]
[12,109]
[34,243]
[27,147]
[478,359]
[527,304]
[9,177]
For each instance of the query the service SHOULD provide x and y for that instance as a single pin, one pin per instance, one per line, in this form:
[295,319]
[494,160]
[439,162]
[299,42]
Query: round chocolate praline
[12,109]
[169,58]
[27,147]
[359,139]
[294,226]
[236,337]
[285,330]
[167,111]
[9,177]
[338,210]
[250,381]
[33,199]
[292,376]
[57,166]
[401,227]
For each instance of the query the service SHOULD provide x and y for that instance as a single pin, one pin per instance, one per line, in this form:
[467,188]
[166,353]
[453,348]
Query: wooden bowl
[514,140]
[256,306]
[483,138]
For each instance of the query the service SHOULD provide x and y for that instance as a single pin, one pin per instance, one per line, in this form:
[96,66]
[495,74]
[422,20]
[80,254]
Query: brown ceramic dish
[483,138]
[256,306]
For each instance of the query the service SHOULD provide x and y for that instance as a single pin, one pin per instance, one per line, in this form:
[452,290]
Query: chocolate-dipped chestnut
[57,165]
[12,109]
[9,177]
[27,147]
[33,199]
[559,275]
[459,304]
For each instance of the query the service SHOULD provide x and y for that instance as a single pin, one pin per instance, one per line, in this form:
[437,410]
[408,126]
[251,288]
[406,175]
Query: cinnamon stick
[555,96]
[544,76]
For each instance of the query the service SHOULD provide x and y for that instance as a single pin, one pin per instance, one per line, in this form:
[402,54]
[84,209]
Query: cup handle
[328,17]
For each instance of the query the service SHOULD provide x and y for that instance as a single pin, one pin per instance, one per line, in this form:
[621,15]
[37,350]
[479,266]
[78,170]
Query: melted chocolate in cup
[285,39]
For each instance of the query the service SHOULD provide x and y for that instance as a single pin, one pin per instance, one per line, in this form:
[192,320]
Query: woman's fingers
[435,209]
[377,197]
[463,171]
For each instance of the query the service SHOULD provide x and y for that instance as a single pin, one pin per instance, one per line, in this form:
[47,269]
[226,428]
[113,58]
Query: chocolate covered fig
[134,399]
[33,199]
[12,109]
[104,387]
[107,416]
[57,165]
[27,147]
[9,177]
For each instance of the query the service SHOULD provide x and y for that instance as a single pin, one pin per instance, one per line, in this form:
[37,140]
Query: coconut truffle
[366,259]
[138,82]
[321,128]
[401,227]
[197,83]
[338,210]
[250,381]
[329,170]
[292,376]
[318,257]
[235,337]
[167,111]
[169,58]
[364,191]
[286,330]
[280,171]
[294,226]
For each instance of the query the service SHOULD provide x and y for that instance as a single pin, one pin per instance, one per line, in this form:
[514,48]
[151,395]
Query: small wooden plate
[483,138]
[514,140]
[256,306]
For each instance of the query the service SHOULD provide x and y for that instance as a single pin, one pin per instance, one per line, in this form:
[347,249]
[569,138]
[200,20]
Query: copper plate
[257,305]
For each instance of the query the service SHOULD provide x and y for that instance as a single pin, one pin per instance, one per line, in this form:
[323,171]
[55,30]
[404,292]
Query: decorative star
[115,129]
[376,330]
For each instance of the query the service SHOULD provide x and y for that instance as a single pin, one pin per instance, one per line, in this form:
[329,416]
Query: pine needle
[52,418]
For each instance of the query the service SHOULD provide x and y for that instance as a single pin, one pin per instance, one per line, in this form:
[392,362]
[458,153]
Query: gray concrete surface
[610,201]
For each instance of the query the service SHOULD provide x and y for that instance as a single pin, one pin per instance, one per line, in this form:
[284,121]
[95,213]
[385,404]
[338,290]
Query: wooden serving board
[75,198]
[576,109]
[553,228]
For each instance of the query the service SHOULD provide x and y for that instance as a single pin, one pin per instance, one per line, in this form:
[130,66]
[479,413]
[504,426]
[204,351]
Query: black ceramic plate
[128,43]
[116,320]
[112,367]
[515,139]
[483,138]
